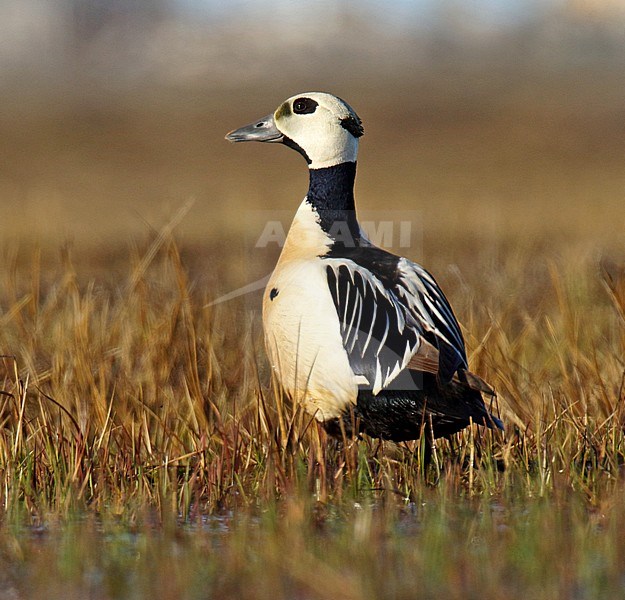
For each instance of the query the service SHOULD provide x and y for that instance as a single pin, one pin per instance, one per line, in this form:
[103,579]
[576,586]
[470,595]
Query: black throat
[331,194]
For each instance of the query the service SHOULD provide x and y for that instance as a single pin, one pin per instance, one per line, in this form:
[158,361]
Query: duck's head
[320,126]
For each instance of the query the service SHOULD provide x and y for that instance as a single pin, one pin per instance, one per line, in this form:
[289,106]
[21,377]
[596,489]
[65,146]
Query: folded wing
[392,316]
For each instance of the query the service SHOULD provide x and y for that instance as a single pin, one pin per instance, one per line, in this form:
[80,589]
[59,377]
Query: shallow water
[541,548]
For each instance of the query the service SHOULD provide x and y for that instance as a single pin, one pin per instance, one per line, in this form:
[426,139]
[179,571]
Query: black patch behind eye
[354,125]
[304,106]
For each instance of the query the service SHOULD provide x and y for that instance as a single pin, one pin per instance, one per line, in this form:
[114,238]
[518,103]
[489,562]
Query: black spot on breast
[273,293]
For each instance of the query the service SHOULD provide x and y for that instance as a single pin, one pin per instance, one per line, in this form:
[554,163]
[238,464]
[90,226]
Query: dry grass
[121,397]
[131,406]
[145,411]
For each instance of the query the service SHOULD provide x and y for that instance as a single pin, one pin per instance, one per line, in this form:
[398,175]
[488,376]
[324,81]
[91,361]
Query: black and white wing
[419,291]
[388,308]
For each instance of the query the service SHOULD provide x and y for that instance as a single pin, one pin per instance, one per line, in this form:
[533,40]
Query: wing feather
[393,316]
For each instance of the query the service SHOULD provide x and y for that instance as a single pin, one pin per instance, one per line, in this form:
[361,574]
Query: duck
[364,339]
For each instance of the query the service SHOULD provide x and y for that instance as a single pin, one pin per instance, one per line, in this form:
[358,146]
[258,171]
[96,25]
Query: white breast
[302,330]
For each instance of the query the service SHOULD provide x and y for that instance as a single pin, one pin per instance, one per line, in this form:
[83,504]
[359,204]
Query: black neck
[331,194]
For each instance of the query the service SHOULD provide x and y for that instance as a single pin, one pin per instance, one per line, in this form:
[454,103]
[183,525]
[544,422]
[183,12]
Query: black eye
[304,106]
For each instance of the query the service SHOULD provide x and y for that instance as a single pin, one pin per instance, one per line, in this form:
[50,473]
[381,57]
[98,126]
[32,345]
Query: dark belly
[404,414]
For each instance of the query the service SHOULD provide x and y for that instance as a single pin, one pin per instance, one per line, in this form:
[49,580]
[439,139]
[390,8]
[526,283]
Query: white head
[322,127]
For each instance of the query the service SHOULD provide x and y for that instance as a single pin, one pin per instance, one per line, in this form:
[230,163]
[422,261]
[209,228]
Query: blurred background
[500,122]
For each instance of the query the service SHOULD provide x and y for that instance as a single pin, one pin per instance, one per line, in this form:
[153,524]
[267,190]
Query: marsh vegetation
[145,450]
